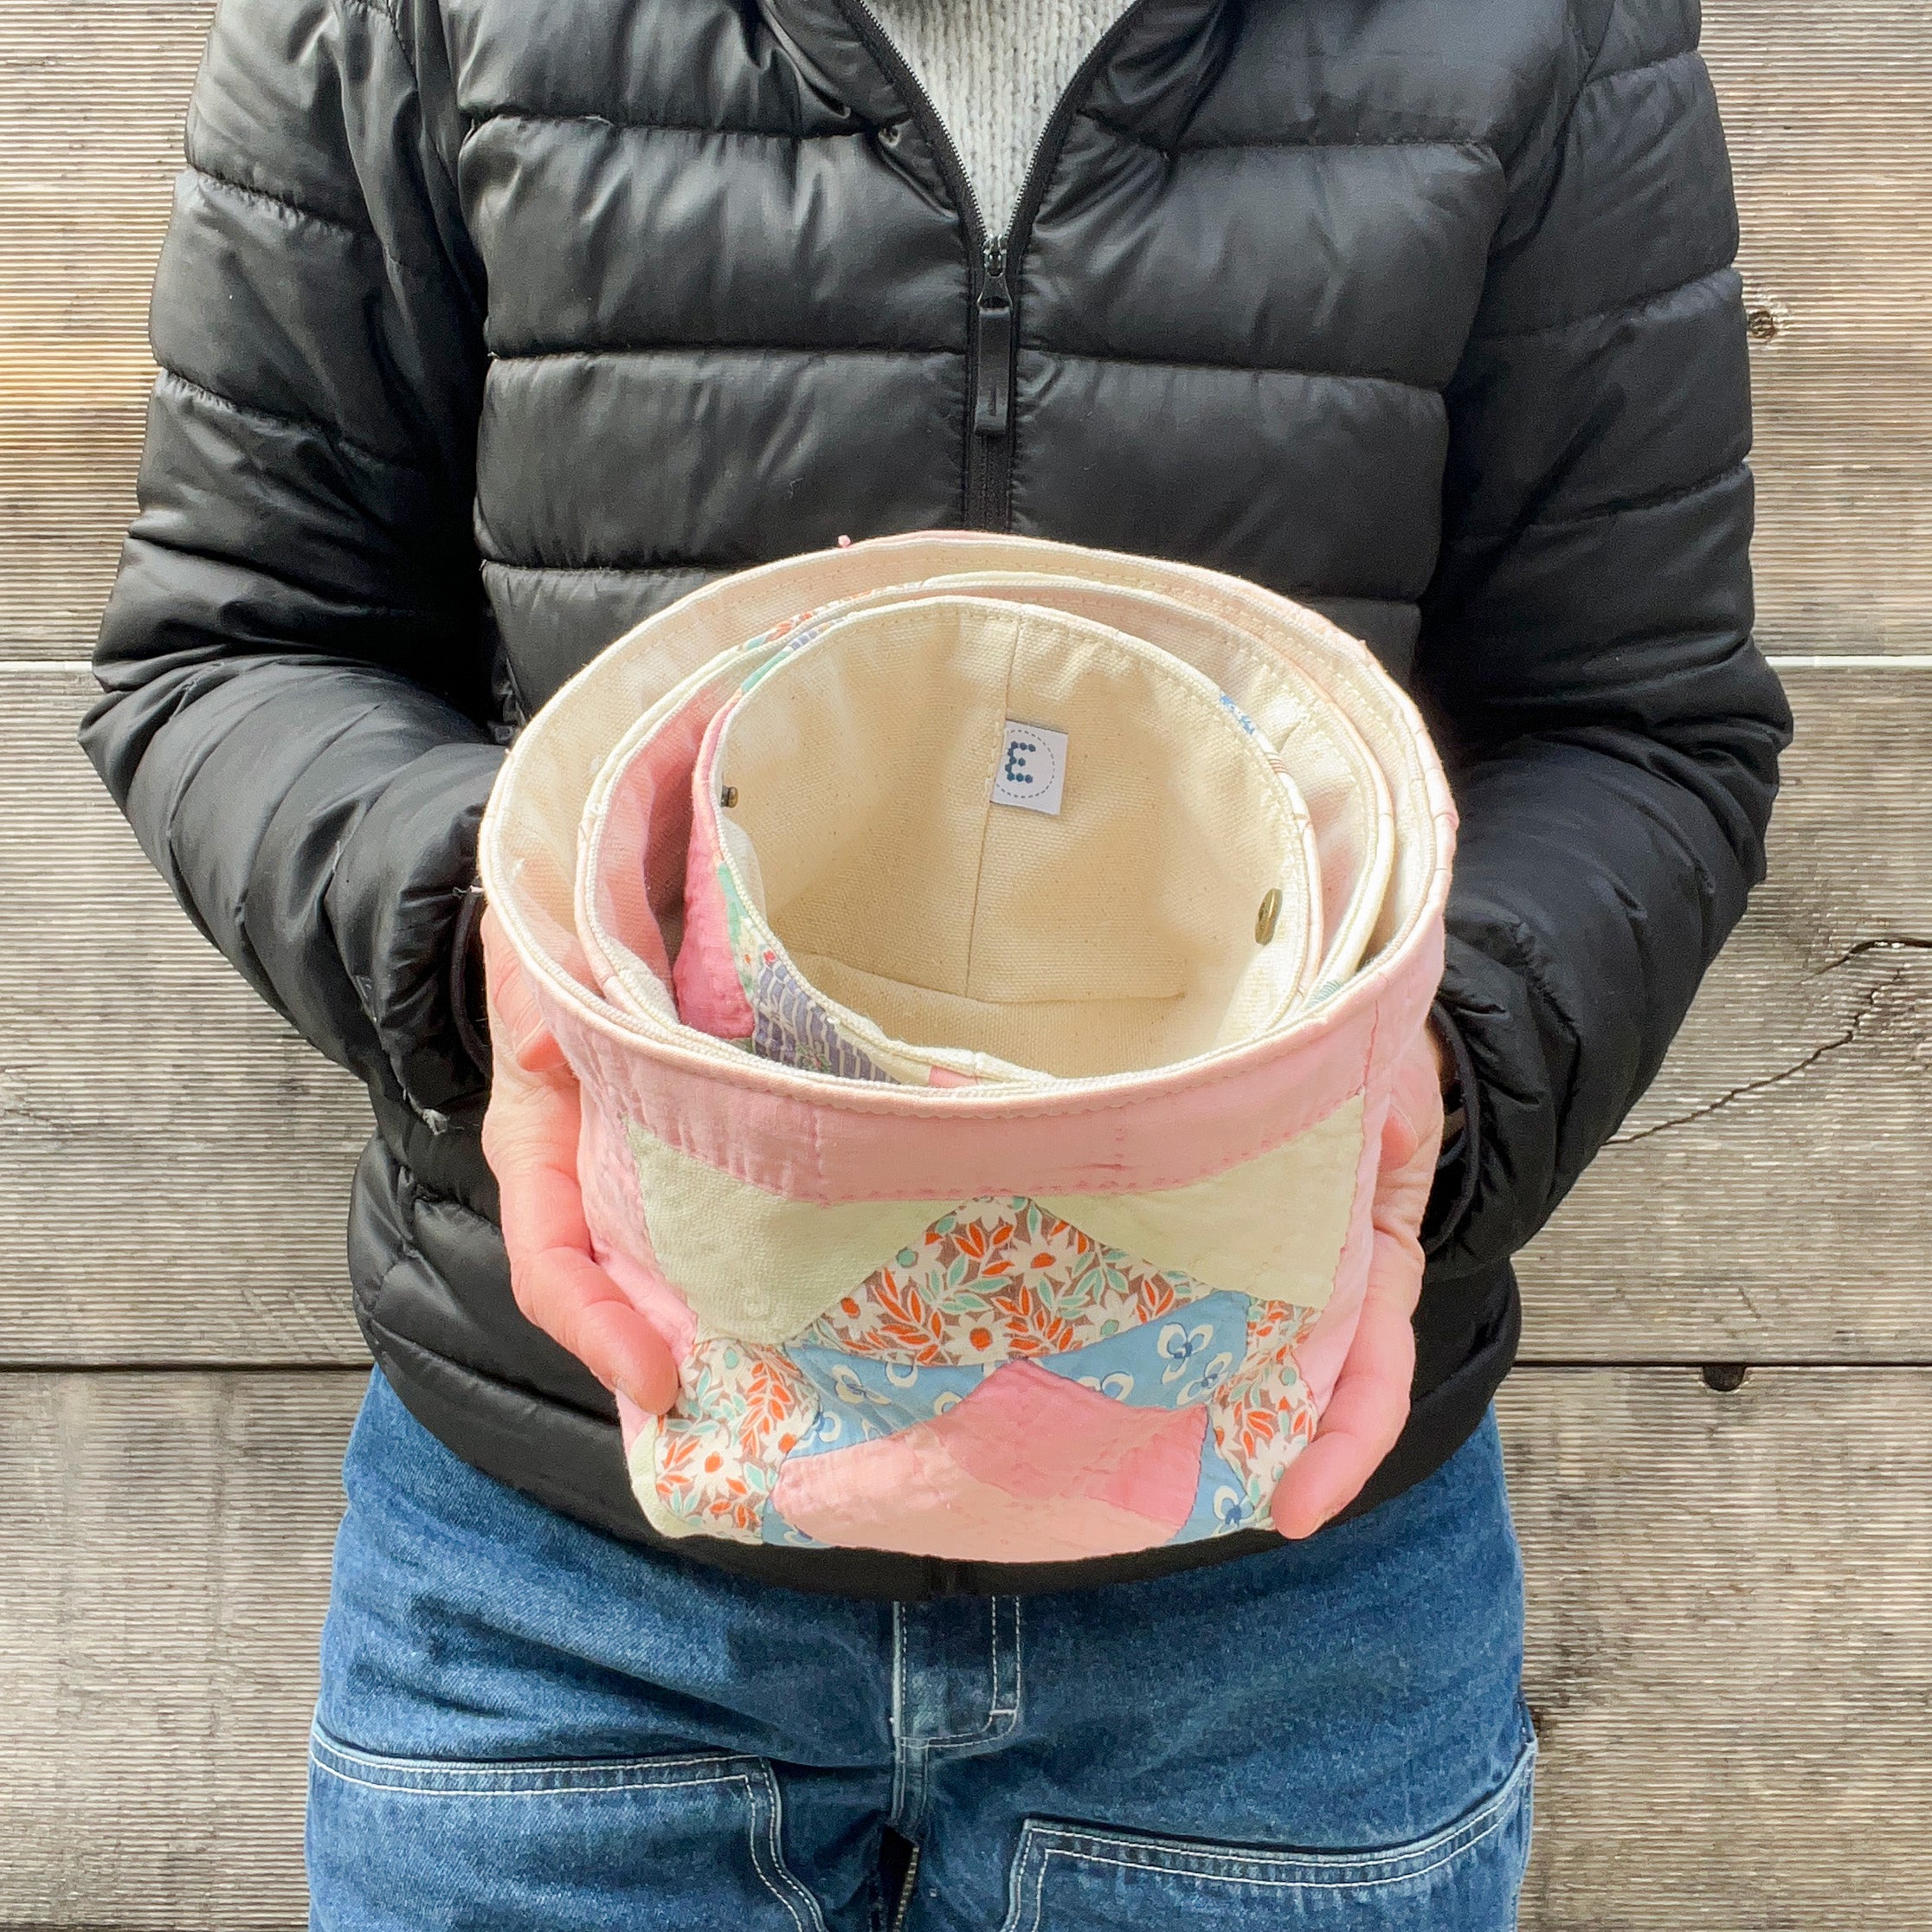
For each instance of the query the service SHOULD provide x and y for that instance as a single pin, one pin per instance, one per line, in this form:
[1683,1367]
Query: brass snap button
[1264,920]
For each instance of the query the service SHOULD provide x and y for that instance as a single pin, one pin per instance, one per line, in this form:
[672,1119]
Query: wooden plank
[1730,1646]
[174,1161]
[1771,1199]
[1843,551]
[67,496]
[1834,190]
[1820,103]
[167,1567]
[1834,182]
[92,102]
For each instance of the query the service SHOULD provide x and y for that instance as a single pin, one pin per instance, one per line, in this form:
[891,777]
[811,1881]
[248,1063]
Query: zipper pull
[993,345]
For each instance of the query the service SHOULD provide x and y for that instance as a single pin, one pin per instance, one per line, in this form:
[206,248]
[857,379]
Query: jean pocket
[1463,1878]
[397,1843]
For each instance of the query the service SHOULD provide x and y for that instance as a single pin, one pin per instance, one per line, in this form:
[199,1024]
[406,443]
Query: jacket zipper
[992,427]
[994,339]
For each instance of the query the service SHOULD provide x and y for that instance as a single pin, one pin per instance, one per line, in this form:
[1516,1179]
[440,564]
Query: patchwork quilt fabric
[985,961]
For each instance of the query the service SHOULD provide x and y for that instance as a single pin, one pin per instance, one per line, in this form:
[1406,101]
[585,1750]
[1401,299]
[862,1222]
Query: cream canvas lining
[541,839]
[1342,784]
[1121,934]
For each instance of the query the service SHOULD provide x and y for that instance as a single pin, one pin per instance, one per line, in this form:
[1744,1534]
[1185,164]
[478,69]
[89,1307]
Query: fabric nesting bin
[986,962]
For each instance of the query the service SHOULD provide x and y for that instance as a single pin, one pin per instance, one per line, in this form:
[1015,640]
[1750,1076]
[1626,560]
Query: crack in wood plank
[1867,1006]
[1883,942]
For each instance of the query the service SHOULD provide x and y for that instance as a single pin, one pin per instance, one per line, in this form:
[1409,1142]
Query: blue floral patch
[1221,1504]
[861,1397]
[1167,1362]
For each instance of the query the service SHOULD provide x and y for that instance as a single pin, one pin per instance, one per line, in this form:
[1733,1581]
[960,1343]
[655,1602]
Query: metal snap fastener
[1264,920]
[728,797]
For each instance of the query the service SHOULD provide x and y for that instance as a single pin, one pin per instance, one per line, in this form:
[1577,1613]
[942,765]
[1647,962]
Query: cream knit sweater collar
[995,70]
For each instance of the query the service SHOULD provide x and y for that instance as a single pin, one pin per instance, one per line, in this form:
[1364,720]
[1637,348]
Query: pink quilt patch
[1028,1468]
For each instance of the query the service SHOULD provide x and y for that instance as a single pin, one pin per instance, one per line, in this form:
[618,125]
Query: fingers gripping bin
[986,962]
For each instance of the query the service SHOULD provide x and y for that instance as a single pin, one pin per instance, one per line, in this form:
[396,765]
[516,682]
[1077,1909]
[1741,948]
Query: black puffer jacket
[486,328]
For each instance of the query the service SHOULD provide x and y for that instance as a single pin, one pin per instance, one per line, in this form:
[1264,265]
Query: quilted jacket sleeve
[1612,730]
[292,658]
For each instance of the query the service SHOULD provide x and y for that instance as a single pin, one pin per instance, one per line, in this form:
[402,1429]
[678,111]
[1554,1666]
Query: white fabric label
[1032,769]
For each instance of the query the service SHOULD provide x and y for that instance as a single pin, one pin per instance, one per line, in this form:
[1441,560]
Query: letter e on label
[1032,769]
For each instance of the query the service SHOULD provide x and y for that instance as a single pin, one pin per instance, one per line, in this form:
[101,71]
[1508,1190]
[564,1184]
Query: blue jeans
[525,1723]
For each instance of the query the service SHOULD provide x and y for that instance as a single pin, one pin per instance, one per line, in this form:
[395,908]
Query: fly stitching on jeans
[912,1753]
[902,1770]
[1000,1709]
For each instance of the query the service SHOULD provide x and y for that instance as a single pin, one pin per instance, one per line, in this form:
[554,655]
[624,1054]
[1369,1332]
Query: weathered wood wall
[1731,1586]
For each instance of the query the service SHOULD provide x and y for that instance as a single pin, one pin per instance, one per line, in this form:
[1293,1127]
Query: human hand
[1370,1401]
[530,1139]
